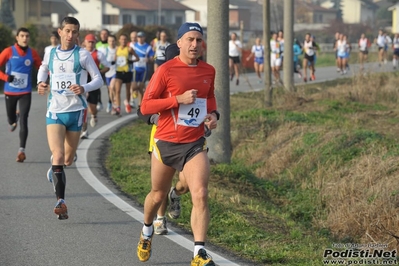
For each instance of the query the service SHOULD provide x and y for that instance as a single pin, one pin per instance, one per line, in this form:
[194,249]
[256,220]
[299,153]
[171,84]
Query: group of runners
[125,63]
[308,48]
[180,99]
[383,42]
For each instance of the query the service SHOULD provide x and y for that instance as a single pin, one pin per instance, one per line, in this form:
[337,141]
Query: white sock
[197,248]
[147,230]
[22,149]
[394,62]
[159,217]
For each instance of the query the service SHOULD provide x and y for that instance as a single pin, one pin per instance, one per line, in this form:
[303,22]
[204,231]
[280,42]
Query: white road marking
[84,170]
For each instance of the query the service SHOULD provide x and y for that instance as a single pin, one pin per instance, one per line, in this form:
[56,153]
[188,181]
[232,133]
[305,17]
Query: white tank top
[275,47]
[308,47]
[363,44]
[396,43]
[110,58]
[341,46]
[257,50]
[233,50]
[65,70]
[160,50]
[381,40]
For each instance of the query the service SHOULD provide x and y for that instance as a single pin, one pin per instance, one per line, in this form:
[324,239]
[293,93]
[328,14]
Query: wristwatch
[216,113]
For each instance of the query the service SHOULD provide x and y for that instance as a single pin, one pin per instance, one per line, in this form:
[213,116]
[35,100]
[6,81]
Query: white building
[355,11]
[201,11]
[113,14]
[395,15]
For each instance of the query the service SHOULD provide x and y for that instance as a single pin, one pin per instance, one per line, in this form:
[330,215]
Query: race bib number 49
[192,115]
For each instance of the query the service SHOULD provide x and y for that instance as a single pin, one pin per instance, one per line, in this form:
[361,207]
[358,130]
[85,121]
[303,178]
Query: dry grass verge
[348,154]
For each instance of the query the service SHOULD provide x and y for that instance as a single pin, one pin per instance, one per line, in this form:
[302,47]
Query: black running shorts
[236,59]
[92,96]
[176,155]
[126,77]
[310,58]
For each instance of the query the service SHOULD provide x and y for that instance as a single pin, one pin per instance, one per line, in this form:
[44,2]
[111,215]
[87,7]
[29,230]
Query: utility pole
[218,43]
[266,41]
[288,64]
[39,9]
[276,16]
[159,12]
[242,32]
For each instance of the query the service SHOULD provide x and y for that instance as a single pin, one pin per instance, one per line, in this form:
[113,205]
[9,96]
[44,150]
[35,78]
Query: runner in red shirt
[19,60]
[174,78]
[182,92]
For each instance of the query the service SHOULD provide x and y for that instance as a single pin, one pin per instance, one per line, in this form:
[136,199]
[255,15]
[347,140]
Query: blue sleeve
[150,52]
[297,51]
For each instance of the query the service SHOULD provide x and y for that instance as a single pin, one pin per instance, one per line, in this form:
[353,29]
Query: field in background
[317,168]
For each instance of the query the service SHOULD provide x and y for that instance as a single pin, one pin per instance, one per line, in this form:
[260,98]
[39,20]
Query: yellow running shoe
[144,247]
[202,259]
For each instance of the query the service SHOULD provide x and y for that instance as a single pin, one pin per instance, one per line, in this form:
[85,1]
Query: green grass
[271,236]
[263,213]
[328,59]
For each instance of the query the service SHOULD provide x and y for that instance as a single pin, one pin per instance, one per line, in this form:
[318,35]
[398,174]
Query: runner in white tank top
[364,45]
[309,48]
[235,48]
[280,38]
[275,58]
[395,47]
[258,51]
[160,48]
[381,41]
[68,65]
[110,75]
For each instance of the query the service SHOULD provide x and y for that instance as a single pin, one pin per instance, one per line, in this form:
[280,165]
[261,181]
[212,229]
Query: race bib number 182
[61,82]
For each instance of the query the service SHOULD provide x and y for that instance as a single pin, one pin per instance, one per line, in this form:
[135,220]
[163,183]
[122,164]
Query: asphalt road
[104,224]
[250,82]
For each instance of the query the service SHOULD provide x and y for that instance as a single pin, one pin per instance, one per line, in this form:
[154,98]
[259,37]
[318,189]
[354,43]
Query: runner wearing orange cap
[93,96]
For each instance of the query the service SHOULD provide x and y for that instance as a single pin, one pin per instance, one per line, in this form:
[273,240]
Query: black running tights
[24,108]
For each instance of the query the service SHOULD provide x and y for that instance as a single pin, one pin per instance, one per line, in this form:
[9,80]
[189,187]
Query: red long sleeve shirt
[171,79]
[7,53]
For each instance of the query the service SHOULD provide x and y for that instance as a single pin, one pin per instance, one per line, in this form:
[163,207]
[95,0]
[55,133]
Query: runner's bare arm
[133,52]
[211,121]
[42,88]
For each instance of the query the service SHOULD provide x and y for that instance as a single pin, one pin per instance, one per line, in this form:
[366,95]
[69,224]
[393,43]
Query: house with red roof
[113,14]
